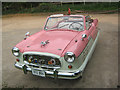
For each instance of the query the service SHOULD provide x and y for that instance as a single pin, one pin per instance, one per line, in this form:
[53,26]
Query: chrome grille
[42,60]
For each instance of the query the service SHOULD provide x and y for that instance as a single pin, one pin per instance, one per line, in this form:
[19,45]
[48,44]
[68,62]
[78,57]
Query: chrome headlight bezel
[69,57]
[16,51]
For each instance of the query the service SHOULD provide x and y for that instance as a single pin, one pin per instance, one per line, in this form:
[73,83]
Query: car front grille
[46,61]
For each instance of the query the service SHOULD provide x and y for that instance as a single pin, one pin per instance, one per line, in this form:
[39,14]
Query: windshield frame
[64,28]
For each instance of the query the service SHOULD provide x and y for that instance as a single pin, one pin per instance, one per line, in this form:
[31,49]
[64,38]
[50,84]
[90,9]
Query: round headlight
[16,51]
[69,56]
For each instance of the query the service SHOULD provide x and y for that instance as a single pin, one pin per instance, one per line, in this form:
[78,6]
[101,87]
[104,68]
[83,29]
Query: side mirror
[27,34]
[83,36]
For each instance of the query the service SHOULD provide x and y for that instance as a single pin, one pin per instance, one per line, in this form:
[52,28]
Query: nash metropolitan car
[61,50]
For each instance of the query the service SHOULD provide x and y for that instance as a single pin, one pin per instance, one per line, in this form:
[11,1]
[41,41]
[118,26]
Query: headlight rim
[72,55]
[15,49]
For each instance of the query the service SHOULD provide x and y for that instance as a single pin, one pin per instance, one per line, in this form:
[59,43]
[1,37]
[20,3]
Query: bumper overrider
[51,73]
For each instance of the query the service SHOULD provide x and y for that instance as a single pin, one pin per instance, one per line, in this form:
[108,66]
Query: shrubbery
[37,7]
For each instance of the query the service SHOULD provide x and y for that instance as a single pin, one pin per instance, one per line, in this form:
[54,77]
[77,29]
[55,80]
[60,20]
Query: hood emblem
[44,43]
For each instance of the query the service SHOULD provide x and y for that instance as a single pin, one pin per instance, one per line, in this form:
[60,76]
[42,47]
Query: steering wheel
[75,25]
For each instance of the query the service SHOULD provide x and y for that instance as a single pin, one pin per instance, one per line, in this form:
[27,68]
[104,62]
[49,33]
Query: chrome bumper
[55,74]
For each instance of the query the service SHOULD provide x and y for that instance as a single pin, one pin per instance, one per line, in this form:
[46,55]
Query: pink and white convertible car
[61,50]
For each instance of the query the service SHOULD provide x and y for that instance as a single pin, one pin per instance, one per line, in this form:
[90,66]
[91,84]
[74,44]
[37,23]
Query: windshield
[65,22]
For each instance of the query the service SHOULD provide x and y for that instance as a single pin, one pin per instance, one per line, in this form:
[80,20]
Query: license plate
[38,73]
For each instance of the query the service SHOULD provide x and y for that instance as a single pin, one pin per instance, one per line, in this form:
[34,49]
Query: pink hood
[58,41]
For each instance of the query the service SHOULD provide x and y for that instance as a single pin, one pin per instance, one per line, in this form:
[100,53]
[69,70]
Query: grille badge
[51,62]
[29,60]
[41,61]
[35,60]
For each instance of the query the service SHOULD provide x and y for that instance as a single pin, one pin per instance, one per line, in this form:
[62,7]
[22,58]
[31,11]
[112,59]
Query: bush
[35,7]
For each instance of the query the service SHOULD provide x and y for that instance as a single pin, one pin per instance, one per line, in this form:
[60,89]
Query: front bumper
[55,74]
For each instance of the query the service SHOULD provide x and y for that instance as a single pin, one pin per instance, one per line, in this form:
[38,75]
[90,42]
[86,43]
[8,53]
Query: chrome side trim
[89,54]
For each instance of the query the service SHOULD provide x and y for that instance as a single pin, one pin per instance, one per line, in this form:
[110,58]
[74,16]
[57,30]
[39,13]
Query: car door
[88,39]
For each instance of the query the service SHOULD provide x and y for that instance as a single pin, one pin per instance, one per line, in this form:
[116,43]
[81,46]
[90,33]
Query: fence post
[61,3]
[110,1]
[84,2]
[73,3]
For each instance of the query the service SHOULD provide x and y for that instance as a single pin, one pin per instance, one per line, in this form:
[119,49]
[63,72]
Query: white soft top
[56,15]
[60,15]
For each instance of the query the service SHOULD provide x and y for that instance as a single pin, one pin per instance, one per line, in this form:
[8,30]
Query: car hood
[58,41]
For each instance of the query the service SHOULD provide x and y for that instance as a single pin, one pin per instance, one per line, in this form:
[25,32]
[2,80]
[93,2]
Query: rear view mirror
[27,34]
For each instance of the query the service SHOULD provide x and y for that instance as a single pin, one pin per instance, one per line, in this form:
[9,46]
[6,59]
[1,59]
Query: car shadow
[52,82]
